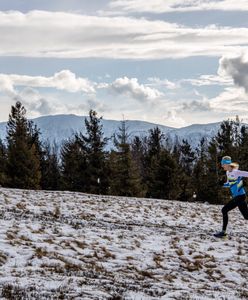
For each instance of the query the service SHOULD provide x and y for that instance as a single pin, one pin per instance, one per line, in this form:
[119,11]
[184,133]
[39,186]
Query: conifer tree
[51,177]
[243,148]
[200,172]
[138,151]
[164,179]
[154,146]
[228,139]
[23,163]
[226,142]
[155,141]
[215,175]
[186,159]
[125,176]
[3,161]
[74,166]
[96,157]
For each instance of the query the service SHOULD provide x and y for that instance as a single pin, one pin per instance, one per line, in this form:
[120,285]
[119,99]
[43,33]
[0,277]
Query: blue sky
[171,62]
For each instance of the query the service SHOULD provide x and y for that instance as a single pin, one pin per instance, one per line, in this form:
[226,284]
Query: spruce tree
[243,148]
[138,151]
[226,142]
[23,161]
[3,162]
[164,179]
[200,172]
[215,175]
[96,157]
[125,176]
[74,166]
[228,139]
[51,177]
[186,159]
[154,146]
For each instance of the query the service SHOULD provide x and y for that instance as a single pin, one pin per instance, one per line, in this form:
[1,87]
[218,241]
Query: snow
[80,246]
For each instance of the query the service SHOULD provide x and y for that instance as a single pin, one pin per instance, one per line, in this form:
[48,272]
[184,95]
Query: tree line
[139,167]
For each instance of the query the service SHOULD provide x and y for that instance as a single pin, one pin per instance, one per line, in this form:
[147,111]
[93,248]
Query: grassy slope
[80,246]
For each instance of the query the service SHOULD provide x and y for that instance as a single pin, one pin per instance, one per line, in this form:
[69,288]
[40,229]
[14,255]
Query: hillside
[58,128]
[78,246]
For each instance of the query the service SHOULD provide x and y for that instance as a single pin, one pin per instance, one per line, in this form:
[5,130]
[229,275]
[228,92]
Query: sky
[171,62]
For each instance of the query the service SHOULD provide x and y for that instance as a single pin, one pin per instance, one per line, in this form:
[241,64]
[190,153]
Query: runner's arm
[241,173]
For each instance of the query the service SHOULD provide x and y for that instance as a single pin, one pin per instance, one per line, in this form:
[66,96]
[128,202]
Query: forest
[146,167]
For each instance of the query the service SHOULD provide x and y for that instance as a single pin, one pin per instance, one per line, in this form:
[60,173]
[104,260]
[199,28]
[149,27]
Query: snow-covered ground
[63,245]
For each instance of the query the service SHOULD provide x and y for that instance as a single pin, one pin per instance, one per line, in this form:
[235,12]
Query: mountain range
[58,128]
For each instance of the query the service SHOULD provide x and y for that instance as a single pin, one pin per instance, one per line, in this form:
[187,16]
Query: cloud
[232,100]
[155,81]
[131,88]
[6,86]
[236,68]
[173,119]
[68,35]
[205,80]
[91,103]
[36,103]
[162,6]
[196,105]
[63,80]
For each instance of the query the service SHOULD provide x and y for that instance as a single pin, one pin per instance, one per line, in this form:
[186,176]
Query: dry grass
[40,252]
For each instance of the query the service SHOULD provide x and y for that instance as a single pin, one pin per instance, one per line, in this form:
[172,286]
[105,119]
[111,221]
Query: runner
[235,183]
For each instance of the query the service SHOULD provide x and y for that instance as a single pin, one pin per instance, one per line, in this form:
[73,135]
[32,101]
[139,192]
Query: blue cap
[226,161]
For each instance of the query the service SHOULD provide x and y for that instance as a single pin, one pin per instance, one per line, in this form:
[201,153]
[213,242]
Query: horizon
[127,120]
[176,63]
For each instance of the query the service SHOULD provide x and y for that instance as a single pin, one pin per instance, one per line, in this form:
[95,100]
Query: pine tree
[23,163]
[154,147]
[138,151]
[200,172]
[155,141]
[3,162]
[228,139]
[186,159]
[164,180]
[74,166]
[94,144]
[51,177]
[125,176]
[214,174]
[161,168]
[226,142]
[243,148]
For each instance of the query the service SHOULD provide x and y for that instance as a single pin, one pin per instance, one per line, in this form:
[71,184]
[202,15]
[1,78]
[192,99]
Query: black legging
[237,201]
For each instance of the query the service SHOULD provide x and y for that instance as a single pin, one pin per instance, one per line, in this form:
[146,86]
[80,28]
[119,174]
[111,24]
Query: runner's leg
[229,206]
[242,204]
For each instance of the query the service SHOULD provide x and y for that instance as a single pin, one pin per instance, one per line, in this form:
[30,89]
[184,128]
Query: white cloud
[39,103]
[133,89]
[155,81]
[233,100]
[163,6]
[36,103]
[205,80]
[67,35]
[173,119]
[6,86]
[63,80]
[67,81]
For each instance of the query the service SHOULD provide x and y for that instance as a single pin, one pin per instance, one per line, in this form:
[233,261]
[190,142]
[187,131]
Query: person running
[235,183]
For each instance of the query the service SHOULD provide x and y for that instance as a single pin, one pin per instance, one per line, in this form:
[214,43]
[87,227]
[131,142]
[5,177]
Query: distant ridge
[58,128]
